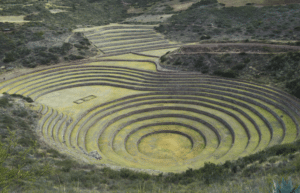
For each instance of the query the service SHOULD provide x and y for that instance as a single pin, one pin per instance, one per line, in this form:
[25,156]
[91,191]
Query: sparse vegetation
[208,17]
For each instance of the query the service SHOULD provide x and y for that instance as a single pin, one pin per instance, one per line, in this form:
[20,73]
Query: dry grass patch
[13,19]
[183,6]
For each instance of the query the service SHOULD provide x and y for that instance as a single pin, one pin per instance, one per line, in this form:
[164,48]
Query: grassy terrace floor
[117,38]
[129,114]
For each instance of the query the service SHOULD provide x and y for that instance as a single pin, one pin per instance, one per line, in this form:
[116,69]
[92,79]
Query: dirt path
[244,44]
[251,48]
[228,53]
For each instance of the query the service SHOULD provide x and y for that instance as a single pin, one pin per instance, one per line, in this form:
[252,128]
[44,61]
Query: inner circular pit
[165,144]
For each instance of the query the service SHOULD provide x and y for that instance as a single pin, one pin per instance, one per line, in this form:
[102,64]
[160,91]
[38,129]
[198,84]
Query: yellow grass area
[237,3]
[108,32]
[137,65]
[56,11]
[13,19]
[51,5]
[128,45]
[183,6]
[129,57]
[165,145]
[149,18]
[103,34]
[110,25]
[63,100]
[135,10]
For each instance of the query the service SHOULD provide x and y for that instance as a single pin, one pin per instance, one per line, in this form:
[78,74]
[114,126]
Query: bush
[53,152]
[163,58]
[37,36]
[205,2]
[205,37]
[277,62]
[85,41]
[79,46]
[4,102]
[66,165]
[28,99]
[40,49]
[20,113]
[199,62]
[205,69]
[294,87]
[46,58]
[297,28]
[66,46]
[238,67]
[15,54]
[9,57]
[246,60]
[177,62]
[75,57]
[7,120]
[227,74]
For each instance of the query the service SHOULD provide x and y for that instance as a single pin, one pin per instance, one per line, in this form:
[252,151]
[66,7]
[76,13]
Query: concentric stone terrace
[128,114]
[121,38]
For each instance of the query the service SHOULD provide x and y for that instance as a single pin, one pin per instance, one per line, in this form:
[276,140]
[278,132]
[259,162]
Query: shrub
[4,102]
[66,165]
[204,37]
[238,67]
[246,60]
[46,58]
[79,46]
[163,58]
[294,87]
[37,36]
[283,149]
[39,49]
[297,28]
[28,99]
[227,74]
[177,62]
[55,49]
[53,152]
[277,62]
[223,23]
[205,2]
[66,46]
[205,69]
[85,41]
[7,120]
[9,57]
[20,113]
[75,57]
[199,62]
